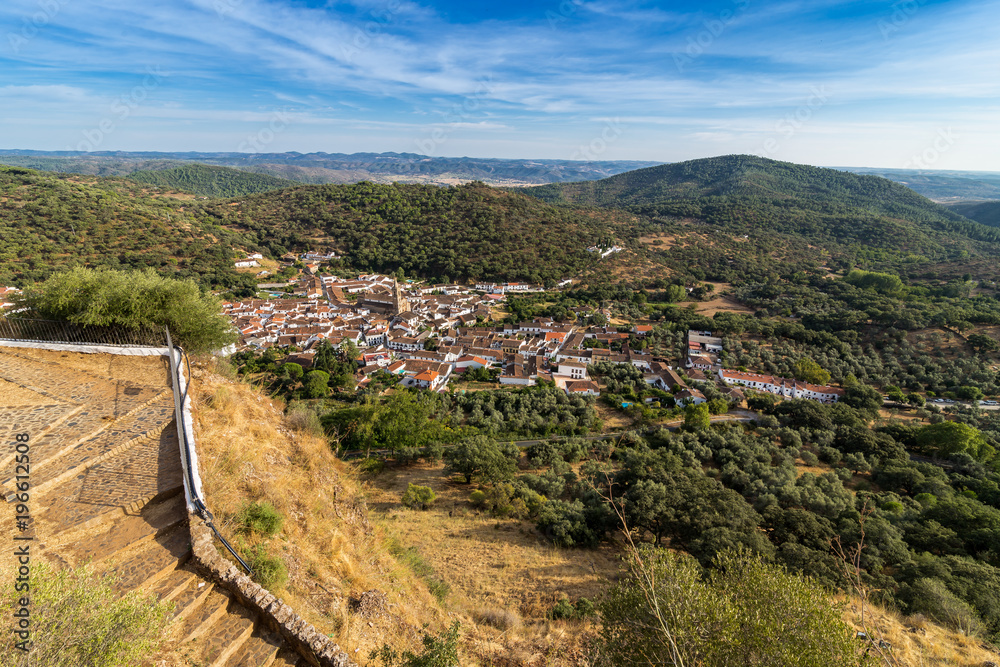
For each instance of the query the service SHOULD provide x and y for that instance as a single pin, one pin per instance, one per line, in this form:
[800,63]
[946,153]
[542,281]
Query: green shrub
[747,612]
[477,498]
[268,571]
[566,610]
[585,608]
[932,597]
[372,465]
[77,618]
[440,651]
[563,610]
[133,299]
[260,518]
[418,497]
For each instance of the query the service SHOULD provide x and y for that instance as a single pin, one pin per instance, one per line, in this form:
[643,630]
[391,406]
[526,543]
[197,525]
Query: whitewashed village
[426,336]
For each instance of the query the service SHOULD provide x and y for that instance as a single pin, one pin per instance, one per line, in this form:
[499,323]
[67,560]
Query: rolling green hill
[984,212]
[53,221]
[211,181]
[752,195]
[50,221]
[468,232]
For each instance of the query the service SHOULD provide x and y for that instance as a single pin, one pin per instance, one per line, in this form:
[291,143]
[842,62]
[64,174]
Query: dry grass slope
[332,552]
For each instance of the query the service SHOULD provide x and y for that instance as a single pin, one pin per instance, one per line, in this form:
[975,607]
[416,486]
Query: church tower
[400,304]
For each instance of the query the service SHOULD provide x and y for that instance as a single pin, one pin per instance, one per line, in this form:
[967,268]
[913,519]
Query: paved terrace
[107,487]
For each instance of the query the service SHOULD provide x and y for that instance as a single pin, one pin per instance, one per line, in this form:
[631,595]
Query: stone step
[108,442]
[83,424]
[225,638]
[204,617]
[288,657]
[260,650]
[147,563]
[121,531]
[188,594]
[53,415]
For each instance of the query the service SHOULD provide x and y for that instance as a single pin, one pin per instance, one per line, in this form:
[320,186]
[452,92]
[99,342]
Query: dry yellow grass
[917,642]
[497,569]
[332,550]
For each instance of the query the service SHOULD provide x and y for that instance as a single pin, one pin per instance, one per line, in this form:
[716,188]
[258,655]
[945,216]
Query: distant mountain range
[943,186]
[318,168]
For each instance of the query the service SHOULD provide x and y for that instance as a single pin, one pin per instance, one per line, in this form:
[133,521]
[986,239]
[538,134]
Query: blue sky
[913,83]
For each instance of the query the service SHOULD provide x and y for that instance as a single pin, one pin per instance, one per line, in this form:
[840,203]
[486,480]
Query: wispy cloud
[514,73]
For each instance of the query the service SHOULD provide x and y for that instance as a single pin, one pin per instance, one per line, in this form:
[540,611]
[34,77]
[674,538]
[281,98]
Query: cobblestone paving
[149,469]
[103,445]
[151,420]
[32,419]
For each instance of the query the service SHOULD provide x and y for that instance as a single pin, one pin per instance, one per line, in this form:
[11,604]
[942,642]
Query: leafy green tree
[573,524]
[325,356]
[293,370]
[948,438]
[133,299]
[420,497]
[747,612]
[808,370]
[315,384]
[864,398]
[483,457]
[983,343]
[349,351]
[895,394]
[697,417]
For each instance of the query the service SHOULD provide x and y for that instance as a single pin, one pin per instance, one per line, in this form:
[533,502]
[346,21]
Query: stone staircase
[107,489]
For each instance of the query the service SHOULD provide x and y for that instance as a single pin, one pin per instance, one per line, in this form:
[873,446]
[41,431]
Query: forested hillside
[467,232]
[52,221]
[751,195]
[985,212]
[209,181]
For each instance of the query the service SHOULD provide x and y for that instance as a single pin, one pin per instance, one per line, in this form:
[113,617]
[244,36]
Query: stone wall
[314,646]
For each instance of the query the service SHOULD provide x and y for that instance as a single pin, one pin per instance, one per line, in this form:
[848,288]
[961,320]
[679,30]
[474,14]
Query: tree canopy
[133,299]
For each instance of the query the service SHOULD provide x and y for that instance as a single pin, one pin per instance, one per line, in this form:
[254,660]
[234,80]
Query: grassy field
[493,568]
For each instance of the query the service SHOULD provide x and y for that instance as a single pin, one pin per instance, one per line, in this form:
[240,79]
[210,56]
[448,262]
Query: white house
[573,369]
[782,386]
[582,388]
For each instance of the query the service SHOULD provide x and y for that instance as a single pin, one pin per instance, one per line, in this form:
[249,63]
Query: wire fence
[55,331]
